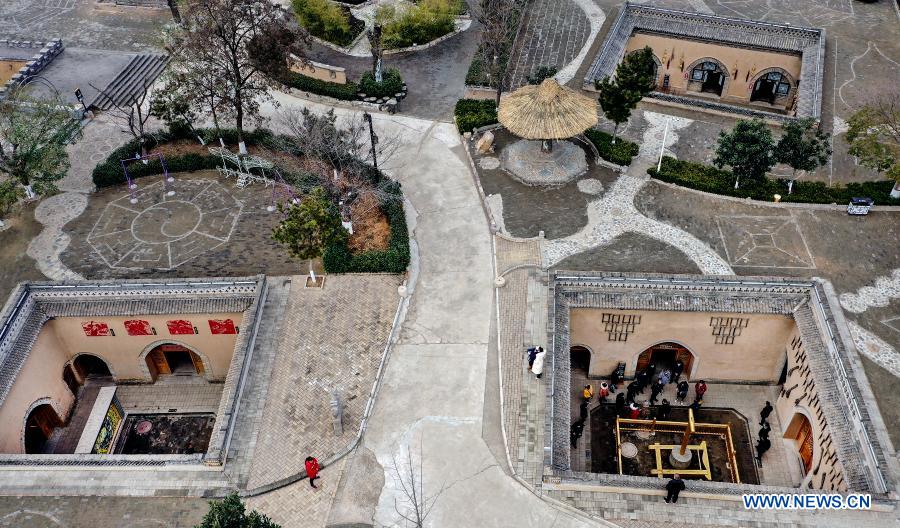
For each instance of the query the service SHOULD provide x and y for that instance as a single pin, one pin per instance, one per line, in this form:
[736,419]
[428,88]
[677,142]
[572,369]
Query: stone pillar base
[678,460]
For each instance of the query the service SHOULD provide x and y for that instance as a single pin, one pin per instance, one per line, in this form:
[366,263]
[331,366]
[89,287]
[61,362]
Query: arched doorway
[39,425]
[710,75]
[800,431]
[580,358]
[90,366]
[173,359]
[664,355]
[771,86]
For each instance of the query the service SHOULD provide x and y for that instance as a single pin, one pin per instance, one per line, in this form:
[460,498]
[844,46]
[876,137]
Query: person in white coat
[538,366]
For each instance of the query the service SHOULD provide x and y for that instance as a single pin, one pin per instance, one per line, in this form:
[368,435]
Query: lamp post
[372,138]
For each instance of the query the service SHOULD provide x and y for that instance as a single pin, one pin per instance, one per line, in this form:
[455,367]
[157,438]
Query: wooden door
[159,363]
[805,444]
[198,364]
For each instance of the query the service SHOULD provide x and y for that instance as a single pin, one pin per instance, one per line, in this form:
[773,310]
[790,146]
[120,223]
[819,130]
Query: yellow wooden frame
[702,453]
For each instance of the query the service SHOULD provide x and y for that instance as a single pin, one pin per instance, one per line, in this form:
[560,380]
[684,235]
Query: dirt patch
[371,230]
[15,265]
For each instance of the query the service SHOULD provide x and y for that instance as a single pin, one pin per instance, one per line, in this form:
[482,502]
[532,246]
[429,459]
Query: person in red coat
[700,388]
[312,470]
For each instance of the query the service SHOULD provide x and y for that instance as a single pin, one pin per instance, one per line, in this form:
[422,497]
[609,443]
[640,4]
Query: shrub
[344,92]
[419,23]
[709,179]
[621,152]
[394,259]
[328,21]
[391,84]
[475,113]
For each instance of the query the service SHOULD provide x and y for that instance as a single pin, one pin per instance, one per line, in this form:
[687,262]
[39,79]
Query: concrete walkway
[432,398]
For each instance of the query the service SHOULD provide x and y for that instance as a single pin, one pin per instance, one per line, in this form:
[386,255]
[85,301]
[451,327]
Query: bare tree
[240,47]
[415,506]
[499,20]
[133,110]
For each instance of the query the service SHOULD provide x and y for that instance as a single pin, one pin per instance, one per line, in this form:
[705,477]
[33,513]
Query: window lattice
[619,326]
[725,329]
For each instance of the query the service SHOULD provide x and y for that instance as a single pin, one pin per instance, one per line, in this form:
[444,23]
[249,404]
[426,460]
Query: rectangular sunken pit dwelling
[720,64]
[752,341]
[124,372]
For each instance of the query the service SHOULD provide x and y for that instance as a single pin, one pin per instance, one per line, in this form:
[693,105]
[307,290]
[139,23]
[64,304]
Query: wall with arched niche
[741,65]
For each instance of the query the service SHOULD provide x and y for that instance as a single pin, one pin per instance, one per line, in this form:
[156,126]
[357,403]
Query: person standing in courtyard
[633,390]
[620,404]
[604,391]
[312,470]
[761,447]
[665,409]
[681,393]
[677,369]
[634,411]
[700,389]
[657,388]
[665,376]
[674,487]
[764,431]
[538,367]
[642,380]
[583,411]
[764,413]
[651,371]
[587,393]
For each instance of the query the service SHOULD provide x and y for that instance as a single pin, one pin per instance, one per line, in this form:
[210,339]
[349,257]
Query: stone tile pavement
[100,512]
[198,395]
[298,505]
[552,34]
[331,339]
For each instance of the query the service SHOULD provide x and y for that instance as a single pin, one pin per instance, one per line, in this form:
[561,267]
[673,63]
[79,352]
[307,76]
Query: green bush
[417,24]
[621,152]
[390,85]
[475,113]
[712,180]
[328,21]
[394,259]
[344,92]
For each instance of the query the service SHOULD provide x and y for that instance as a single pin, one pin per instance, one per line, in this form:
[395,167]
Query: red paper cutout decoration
[180,327]
[222,326]
[95,329]
[136,327]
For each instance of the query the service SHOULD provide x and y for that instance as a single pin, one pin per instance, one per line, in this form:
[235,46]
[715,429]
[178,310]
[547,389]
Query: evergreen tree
[310,227]
[230,513]
[804,146]
[634,80]
[747,149]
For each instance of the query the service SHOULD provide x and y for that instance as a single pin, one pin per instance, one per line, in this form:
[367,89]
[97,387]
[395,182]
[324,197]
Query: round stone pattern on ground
[161,231]
[528,163]
[590,186]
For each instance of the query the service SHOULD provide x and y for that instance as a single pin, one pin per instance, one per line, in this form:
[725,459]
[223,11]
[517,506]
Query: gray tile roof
[809,42]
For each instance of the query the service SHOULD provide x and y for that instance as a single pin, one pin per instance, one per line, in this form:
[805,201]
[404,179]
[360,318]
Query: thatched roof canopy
[547,111]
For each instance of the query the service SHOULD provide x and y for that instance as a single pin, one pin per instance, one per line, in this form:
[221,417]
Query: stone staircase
[130,82]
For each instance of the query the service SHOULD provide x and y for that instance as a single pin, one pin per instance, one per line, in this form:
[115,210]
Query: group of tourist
[763,444]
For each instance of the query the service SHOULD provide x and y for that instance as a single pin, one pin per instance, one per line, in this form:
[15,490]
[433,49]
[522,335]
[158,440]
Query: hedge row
[109,172]
[344,92]
[621,152]
[710,179]
[474,113]
[338,258]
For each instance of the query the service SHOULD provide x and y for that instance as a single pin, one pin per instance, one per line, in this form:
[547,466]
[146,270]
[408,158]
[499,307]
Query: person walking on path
[532,353]
[700,389]
[761,447]
[633,389]
[583,412]
[764,413]
[665,409]
[674,487]
[677,369]
[312,470]
[665,376]
[620,404]
[657,388]
[681,393]
[587,393]
[538,367]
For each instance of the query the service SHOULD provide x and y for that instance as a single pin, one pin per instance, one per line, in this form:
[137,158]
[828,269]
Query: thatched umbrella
[547,111]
